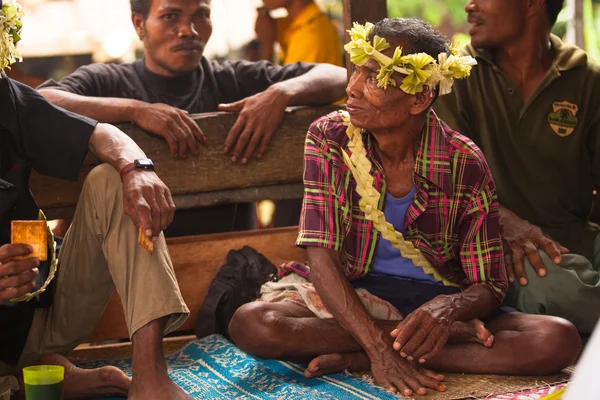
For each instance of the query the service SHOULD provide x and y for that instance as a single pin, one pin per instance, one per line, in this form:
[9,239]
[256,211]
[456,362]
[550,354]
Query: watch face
[144,163]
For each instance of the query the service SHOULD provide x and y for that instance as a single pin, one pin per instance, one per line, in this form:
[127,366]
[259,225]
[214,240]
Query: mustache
[474,19]
[188,46]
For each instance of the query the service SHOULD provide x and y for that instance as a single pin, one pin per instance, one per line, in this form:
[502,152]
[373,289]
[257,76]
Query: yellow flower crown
[420,69]
[10,27]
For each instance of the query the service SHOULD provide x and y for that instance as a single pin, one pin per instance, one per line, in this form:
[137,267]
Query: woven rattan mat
[466,386]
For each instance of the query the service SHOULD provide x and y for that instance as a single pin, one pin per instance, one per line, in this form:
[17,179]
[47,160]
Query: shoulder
[327,135]
[467,159]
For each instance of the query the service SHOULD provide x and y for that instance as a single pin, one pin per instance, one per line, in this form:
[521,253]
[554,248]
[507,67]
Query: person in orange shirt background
[306,34]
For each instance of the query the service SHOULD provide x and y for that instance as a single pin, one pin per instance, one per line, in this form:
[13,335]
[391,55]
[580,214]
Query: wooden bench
[209,179]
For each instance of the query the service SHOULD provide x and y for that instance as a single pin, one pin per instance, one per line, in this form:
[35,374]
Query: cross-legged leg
[522,344]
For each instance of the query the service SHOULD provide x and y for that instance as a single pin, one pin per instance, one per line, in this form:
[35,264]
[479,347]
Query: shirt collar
[433,158]
[307,14]
[566,56]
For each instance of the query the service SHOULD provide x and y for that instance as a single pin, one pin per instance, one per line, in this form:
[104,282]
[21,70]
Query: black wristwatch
[140,163]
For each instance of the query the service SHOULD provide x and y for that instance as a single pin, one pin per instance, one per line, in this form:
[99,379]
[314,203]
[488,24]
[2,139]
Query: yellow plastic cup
[44,382]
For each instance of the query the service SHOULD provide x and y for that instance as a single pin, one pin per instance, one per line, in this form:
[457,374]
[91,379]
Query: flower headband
[420,69]
[10,27]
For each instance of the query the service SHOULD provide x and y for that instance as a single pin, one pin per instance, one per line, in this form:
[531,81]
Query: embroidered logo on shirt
[563,119]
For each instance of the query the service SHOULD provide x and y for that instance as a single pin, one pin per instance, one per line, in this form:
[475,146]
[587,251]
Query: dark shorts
[408,295]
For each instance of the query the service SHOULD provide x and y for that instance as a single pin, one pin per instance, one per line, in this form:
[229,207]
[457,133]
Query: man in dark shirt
[174,79]
[98,254]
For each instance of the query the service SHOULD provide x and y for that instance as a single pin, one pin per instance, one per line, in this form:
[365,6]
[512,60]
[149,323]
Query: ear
[138,24]
[422,101]
[534,7]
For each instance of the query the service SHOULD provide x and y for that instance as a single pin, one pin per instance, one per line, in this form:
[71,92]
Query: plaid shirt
[453,218]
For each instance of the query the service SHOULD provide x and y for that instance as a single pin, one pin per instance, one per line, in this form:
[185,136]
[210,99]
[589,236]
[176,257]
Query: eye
[372,79]
[204,15]
[168,17]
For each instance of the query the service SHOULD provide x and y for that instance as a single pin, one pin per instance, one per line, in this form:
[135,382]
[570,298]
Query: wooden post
[575,32]
[361,11]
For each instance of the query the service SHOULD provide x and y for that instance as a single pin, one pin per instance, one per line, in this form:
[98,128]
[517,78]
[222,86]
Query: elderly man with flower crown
[51,303]
[400,223]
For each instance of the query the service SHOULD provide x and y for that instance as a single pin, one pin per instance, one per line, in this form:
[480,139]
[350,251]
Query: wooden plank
[124,349]
[185,201]
[196,260]
[361,11]
[211,171]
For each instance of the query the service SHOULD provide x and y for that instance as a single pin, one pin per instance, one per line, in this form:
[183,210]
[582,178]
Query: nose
[470,6]
[353,89]
[188,30]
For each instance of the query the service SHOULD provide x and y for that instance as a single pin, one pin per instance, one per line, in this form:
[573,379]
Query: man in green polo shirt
[532,105]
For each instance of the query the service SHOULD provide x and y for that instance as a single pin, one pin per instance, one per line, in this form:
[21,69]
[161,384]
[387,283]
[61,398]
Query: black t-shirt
[199,91]
[33,134]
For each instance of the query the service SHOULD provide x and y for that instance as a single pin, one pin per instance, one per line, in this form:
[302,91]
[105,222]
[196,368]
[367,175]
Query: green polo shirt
[544,153]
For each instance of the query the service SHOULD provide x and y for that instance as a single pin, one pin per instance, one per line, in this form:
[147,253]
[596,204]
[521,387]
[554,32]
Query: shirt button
[511,91]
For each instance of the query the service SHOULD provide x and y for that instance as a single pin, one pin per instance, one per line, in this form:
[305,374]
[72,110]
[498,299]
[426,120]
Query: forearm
[103,109]
[476,302]
[114,147]
[342,301]
[324,84]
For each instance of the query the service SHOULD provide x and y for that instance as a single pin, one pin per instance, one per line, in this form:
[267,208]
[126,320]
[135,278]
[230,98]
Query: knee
[253,329]
[559,346]
[103,177]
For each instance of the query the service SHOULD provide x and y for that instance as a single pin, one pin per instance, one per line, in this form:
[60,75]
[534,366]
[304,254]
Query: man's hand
[424,332]
[260,116]
[396,374]
[148,202]
[520,239]
[173,124]
[16,276]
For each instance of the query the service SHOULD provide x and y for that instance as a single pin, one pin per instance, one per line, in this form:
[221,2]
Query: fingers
[196,131]
[232,107]
[434,346]
[415,342]
[21,279]
[163,207]
[431,380]
[181,135]
[531,251]
[427,347]
[155,211]
[233,135]
[510,269]
[552,249]
[434,375]
[264,143]
[241,143]
[255,140]
[14,292]
[143,213]
[517,261]
[171,207]
[188,141]
[16,267]
[410,327]
[8,251]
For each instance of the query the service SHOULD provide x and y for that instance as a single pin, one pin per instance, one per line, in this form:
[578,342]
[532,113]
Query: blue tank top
[387,260]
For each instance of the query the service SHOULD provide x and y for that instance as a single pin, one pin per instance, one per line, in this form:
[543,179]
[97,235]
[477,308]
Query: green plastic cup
[44,382]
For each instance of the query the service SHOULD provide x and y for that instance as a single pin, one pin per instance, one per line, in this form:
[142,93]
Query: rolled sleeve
[322,219]
[54,140]
[481,246]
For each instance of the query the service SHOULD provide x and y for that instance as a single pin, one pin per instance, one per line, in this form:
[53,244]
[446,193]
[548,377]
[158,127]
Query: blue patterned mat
[213,368]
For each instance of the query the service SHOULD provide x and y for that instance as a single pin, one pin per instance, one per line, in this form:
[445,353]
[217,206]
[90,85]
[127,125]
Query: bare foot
[473,331]
[338,362]
[351,362]
[84,383]
[159,388]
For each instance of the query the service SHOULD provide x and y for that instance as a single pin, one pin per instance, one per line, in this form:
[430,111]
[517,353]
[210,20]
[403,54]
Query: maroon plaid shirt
[453,218]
